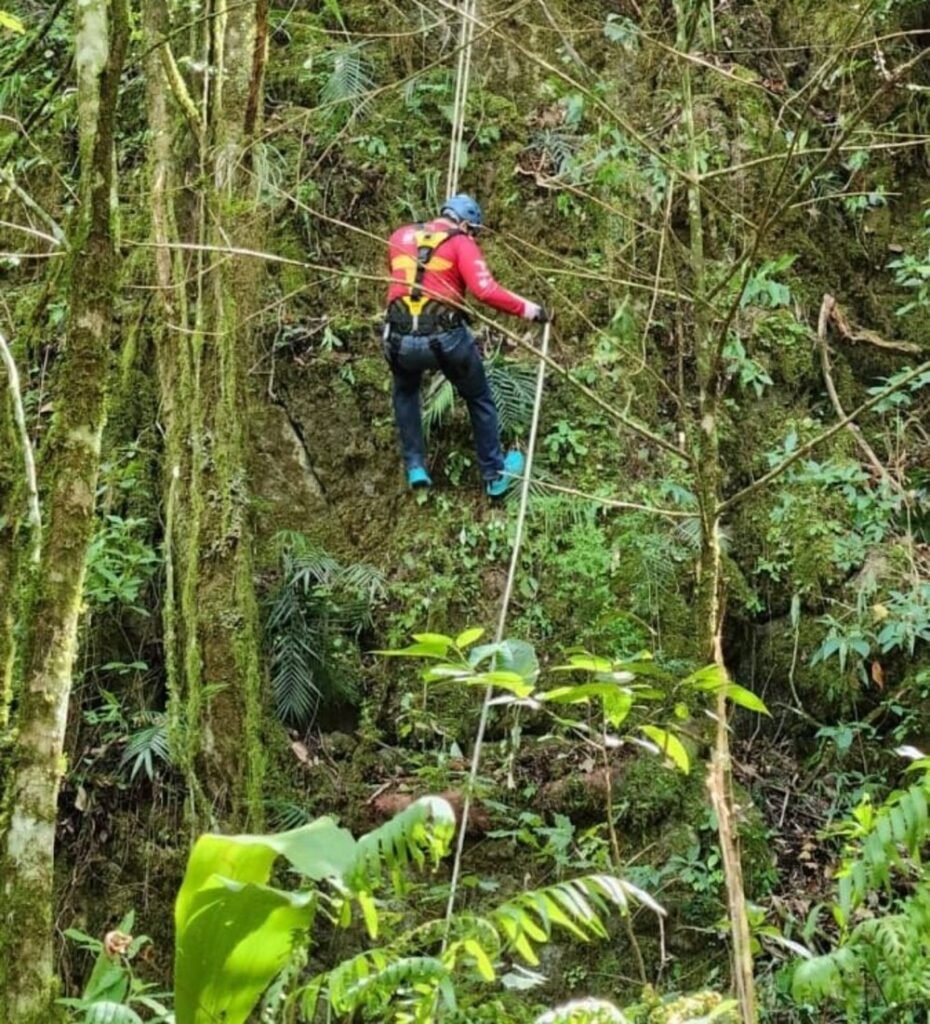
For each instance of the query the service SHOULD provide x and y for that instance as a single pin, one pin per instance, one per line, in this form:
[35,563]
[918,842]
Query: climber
[426,328]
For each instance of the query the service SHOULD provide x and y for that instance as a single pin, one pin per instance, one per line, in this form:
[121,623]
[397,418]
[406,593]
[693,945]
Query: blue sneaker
[418,477]
[513,468]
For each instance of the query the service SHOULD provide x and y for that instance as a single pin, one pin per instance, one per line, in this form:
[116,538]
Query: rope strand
[459,104]
[501,623]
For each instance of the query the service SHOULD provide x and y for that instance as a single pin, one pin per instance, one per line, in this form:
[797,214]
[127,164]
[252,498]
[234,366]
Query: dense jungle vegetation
[278,742]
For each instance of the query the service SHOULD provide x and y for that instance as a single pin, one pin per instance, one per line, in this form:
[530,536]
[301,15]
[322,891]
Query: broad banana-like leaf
[237,938]
[233,931]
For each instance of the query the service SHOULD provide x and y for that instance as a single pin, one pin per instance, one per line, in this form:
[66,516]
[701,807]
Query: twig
[19,414]
[841,324]
[32,205]
[827,308]
[626,506]
[805,449]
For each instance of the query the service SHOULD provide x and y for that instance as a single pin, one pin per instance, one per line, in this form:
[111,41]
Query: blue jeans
[461,364]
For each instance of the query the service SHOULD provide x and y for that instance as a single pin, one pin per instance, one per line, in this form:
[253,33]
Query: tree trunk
[211,625]
[71,464]
[710,582]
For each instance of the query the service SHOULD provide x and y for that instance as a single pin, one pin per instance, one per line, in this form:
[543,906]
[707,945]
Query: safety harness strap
[407,312]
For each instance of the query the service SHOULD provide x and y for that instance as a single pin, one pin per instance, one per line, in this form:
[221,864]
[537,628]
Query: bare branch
[29,462]
[827,308]
[815,442]
[624,506]
[31,205]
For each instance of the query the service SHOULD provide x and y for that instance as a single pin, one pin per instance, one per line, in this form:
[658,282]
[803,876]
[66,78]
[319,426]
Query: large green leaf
[237,938]
[111,1013]
[617,701]
[670,745]
[234,933]
[318,850]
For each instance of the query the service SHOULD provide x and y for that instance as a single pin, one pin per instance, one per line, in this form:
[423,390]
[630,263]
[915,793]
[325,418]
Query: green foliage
[565,443]
[616,687]
[120,563]
[882,908]
[313,621]
[122,558]
[113,993]
[235,932]
[913,272]
[400,983]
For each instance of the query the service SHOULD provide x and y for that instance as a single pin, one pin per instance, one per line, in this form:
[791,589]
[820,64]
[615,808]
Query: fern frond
[901,824]
[559,147]
[576,906]
[424,829]
[284,816]
[513,386]
[350,77]
[375,979]
[830,976]
[584,1011]
[293,681]
[438,402]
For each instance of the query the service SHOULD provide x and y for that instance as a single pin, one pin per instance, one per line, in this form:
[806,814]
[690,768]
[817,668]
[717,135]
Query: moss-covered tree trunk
[705,449]
[211,614]
[70,470]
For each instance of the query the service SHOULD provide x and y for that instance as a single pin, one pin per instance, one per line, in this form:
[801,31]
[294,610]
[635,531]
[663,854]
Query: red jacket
[458,264]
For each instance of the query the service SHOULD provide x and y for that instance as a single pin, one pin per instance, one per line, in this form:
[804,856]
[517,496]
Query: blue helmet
[462,208]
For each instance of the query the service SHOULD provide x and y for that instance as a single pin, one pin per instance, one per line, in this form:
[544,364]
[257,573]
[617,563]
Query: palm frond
[147,745]
[365,579]
[283,816]
[513,386]
[422,830]
[438,402]
[375,979]
[293,682]
[577,906]
[318,602]
[350,77]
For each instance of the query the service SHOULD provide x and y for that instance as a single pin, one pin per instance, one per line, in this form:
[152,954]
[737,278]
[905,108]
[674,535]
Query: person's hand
[536,313]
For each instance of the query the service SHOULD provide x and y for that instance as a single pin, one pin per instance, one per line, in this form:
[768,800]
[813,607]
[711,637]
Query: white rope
[29,463]
[501,620]
[456,148]
[462,78]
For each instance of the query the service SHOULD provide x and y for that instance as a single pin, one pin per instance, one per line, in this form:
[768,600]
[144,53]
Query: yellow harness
[415,269]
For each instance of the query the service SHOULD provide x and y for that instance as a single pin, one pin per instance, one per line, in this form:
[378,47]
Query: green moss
[647,794]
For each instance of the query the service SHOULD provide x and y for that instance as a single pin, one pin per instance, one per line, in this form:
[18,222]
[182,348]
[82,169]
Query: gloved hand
[536,313]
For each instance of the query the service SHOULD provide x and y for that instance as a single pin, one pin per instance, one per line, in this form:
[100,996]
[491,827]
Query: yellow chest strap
[427,242]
